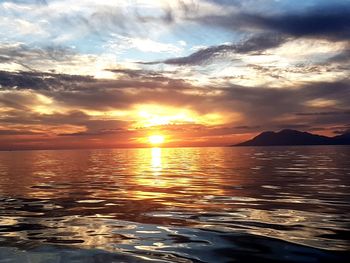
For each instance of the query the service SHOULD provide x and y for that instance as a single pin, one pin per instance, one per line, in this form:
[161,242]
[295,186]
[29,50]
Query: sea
[229,204]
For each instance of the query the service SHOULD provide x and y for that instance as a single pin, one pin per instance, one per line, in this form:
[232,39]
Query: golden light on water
[156,162]
[156,139]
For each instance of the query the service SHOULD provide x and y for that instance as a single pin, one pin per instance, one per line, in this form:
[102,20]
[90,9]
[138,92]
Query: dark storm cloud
[39,80]
[22,80]
[254,44]
[329,22]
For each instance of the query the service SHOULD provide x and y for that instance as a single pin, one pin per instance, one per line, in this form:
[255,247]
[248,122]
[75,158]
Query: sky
[104,74]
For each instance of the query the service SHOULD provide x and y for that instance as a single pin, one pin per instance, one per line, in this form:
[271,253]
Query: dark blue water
[277,204]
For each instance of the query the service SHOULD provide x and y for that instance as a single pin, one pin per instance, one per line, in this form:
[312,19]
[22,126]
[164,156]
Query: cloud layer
[199,72]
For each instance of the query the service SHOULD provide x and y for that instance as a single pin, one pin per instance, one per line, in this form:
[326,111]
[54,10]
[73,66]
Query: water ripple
[176,205]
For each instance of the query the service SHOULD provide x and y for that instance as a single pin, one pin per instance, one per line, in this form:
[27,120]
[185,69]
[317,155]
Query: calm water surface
[277,204]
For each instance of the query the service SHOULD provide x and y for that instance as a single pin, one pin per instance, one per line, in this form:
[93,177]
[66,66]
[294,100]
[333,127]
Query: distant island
[289,137]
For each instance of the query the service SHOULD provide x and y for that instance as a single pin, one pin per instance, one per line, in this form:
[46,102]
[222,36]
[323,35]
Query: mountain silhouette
[294,137]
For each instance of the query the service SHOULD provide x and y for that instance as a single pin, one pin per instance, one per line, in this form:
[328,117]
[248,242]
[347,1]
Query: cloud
[245,127]
[273,108]
[16,132]
[30,2]
[25,56]
[90,18]
[342,57]
[40,80]
[136,73]
[69,75]
[259,106]
[254,44]
[78,119]
[294,126]
[122,44]
[331,23]
[323,113]
[324,21]
[142,86]
[89,93]
[18,56]
[270,31]
[342,130]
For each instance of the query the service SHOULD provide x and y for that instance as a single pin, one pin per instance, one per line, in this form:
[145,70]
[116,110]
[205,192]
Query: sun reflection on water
[122,199]
[156,161]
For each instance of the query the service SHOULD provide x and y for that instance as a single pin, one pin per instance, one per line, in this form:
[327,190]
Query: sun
[156,139]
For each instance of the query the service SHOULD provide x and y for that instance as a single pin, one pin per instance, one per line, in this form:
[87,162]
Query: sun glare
[156,139]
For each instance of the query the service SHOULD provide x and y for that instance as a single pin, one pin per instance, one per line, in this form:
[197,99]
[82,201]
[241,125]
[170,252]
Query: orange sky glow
[104,74]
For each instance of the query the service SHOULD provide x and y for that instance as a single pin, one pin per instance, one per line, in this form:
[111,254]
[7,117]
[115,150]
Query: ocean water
[263,204]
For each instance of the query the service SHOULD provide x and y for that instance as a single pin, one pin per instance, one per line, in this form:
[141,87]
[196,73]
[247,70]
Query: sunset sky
[92,73]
